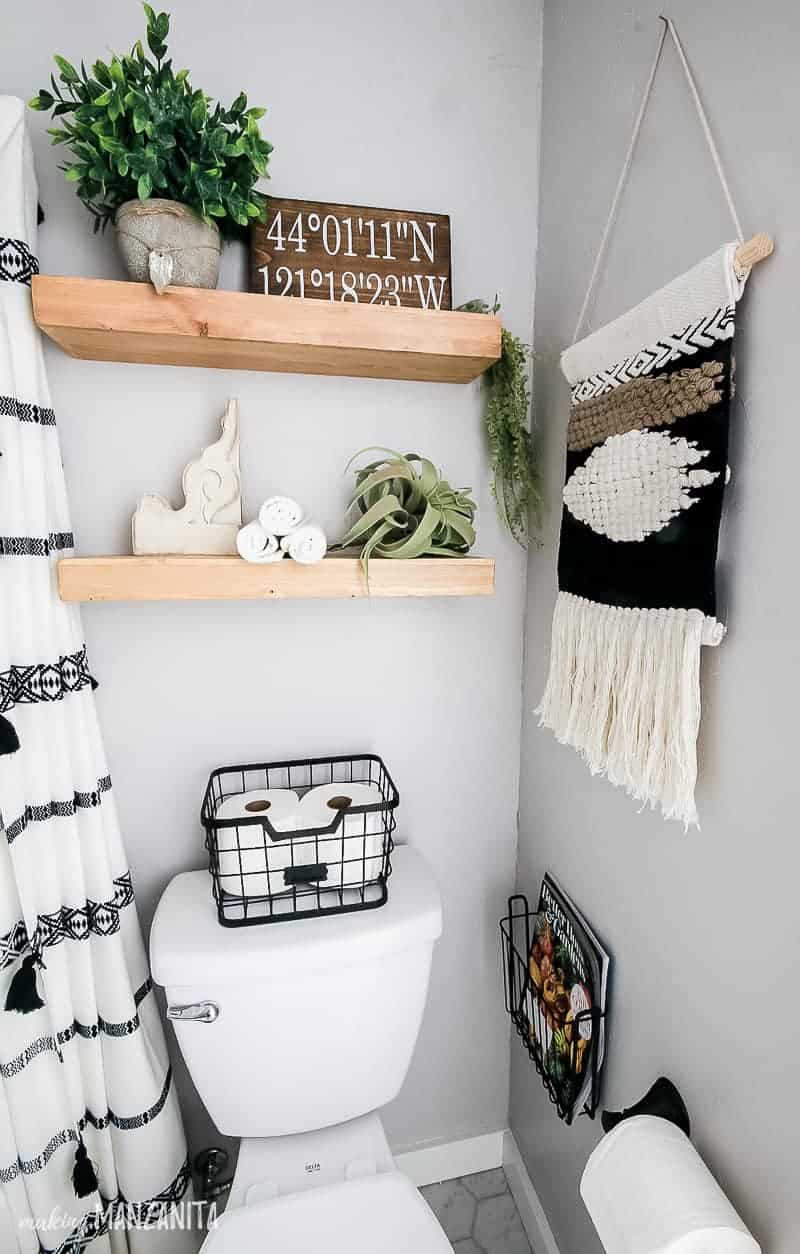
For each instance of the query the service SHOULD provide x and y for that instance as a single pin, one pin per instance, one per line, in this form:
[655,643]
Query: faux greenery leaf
[461,525]
[416,544]
[68,72]
[154,42]
[378,513]
[198,114]
[109,144]
[387,472]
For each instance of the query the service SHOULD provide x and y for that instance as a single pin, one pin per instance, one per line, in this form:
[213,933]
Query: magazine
[566,996]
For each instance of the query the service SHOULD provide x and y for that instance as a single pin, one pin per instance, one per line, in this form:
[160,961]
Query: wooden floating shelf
[102,320]
[227,578]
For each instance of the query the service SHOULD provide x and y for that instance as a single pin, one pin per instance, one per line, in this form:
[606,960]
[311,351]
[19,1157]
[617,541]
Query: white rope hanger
[747,254]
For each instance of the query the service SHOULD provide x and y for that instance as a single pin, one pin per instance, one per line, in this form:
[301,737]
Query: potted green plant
[173,170]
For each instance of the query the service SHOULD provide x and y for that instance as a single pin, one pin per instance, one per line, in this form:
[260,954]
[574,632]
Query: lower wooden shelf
[230,578]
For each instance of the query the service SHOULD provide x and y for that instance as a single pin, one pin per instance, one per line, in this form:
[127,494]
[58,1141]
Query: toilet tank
[317,1018]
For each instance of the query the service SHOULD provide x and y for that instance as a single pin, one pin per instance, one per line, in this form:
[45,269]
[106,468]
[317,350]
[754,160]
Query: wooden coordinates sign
[349,253]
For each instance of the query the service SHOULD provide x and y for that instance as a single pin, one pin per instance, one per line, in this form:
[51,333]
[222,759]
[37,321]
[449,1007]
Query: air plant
[406,509]
[515,471]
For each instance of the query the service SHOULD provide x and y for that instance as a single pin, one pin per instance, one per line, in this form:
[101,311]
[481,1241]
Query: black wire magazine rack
[263,873]
[565,1049]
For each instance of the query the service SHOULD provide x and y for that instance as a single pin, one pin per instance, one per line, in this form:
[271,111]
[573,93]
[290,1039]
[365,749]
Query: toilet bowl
[295,1035]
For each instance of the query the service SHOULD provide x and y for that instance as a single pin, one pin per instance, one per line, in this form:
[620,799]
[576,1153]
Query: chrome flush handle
[197,1012]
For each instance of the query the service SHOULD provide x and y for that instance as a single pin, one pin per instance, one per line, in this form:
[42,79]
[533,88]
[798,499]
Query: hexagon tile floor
[478,1214]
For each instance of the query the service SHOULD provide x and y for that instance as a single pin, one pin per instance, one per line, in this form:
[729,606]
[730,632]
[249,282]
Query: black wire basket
[264,873]
[571,1074]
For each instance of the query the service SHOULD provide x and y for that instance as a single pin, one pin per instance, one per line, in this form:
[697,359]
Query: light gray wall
[703,926]
[411,105]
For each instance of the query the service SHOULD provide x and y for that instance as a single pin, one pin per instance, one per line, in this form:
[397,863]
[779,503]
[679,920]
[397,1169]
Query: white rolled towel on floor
[307,544]
[255,544]
[280,515]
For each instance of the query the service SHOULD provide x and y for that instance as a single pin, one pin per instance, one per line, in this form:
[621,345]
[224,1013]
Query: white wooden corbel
[212,513]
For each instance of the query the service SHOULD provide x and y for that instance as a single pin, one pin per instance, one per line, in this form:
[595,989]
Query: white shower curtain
[87,1103]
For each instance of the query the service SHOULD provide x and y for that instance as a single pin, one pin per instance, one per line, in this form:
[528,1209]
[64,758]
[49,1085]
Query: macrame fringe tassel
[84,1177]
[624,690]
[9,740]
[22,993]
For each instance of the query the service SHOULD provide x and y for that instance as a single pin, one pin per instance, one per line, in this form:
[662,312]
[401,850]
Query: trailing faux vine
[515,472]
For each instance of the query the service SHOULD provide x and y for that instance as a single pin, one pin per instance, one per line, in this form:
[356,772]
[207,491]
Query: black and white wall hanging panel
[646,466]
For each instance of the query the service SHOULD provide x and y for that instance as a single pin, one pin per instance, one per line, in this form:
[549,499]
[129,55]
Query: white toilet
[295,1035]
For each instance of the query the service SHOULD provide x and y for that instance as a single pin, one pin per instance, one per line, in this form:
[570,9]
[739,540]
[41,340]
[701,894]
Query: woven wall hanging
[647,450]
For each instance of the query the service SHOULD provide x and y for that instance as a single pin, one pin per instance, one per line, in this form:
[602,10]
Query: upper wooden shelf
[228,578]
[104,320]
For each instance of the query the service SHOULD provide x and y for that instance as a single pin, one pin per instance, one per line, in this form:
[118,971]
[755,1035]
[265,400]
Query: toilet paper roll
[280,805]
[251,864]
[355,852]
[648,1191]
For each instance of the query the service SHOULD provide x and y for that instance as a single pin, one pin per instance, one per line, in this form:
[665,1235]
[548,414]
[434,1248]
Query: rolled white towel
[306,544]
[254,544]
[280,514]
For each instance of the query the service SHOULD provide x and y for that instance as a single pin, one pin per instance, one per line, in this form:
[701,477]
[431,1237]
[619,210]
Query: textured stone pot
[165,242]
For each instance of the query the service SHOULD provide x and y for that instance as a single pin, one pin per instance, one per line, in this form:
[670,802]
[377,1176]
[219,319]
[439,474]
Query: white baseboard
[531,1211]
[433,1163]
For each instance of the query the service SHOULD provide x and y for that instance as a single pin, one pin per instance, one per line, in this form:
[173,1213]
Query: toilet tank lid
[382,1213]
[189,946]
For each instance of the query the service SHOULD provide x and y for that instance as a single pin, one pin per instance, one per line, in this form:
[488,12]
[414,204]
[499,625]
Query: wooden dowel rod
[751,252]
